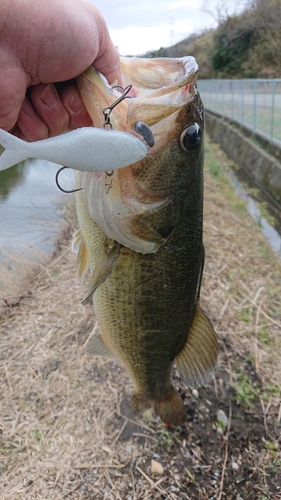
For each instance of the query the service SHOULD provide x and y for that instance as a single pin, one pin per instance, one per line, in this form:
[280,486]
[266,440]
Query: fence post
[272,109]
[255,106]
[242,84]
[232,99]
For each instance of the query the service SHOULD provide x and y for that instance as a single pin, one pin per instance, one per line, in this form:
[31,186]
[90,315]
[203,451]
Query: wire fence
[253,103]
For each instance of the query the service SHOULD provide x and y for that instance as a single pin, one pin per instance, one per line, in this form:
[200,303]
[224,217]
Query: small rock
[107,450]
[195,393]
[156,467]
[222,418]
[234,466]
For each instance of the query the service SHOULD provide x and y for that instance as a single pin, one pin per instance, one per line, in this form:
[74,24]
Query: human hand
[42,43]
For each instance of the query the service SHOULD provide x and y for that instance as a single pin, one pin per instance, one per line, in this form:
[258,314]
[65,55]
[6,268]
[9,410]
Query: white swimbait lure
[87,149]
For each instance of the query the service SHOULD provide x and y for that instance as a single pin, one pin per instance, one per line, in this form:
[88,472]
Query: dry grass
[67,430]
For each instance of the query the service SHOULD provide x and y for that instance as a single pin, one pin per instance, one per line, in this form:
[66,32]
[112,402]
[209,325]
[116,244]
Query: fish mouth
[160,88]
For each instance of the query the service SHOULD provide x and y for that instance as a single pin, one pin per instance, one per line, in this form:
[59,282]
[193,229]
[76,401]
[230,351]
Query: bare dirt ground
[67,431]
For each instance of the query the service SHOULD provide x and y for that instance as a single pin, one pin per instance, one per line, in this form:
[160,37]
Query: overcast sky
[137,26]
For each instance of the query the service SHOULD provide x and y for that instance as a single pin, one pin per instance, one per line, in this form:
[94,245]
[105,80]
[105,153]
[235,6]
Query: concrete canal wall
[260,159]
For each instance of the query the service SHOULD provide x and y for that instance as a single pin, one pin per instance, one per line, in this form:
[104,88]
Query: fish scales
[146,288]
[153,333]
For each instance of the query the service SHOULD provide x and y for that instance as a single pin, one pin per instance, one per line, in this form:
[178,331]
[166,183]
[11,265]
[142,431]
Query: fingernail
[49,96]
[76,103]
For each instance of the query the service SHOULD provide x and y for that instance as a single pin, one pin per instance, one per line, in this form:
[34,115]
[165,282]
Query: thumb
[108,63]
[107,60]
[12,93]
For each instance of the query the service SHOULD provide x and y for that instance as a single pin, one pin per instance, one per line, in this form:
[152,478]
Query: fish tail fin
[170,409]
[196,361]
[140,402]
[15,150]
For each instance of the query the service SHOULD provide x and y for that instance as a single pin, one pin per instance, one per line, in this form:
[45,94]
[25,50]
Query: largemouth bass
[141,234]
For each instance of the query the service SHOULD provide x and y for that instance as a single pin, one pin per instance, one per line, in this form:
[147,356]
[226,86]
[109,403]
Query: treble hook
[118,87]
[107,111]
[57,182]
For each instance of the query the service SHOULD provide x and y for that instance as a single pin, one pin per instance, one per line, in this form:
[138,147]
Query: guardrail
[255,104]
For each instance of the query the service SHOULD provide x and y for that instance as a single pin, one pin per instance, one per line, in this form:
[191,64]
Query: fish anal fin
[103,270]
[196,361]
[97,347]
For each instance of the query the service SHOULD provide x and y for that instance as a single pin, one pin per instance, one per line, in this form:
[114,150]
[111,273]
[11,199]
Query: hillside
[243,46]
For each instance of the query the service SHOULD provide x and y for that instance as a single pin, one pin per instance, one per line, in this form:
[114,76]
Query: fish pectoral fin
[103,270]
[157,224]
[196,361]
[97,347]
[77,239]
[79,246]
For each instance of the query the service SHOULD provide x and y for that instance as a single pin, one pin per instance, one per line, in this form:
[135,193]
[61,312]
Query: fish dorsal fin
[97,347]
[196,361]
[103,270]
[79,246]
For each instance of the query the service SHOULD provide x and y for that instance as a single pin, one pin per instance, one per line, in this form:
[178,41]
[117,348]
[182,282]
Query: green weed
[165,438]
[190,476]
[37,435]
[246,390]
[244,315]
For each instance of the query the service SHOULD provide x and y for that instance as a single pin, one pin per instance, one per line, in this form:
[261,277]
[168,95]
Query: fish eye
[191,138]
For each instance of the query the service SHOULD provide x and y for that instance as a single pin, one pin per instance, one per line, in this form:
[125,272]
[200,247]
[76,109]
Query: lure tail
[15,150]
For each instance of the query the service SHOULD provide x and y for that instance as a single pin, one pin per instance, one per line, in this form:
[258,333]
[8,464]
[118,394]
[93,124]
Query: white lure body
[87,149]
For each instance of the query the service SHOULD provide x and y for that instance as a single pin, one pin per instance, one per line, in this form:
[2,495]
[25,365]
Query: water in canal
[31,209]
[244,186]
